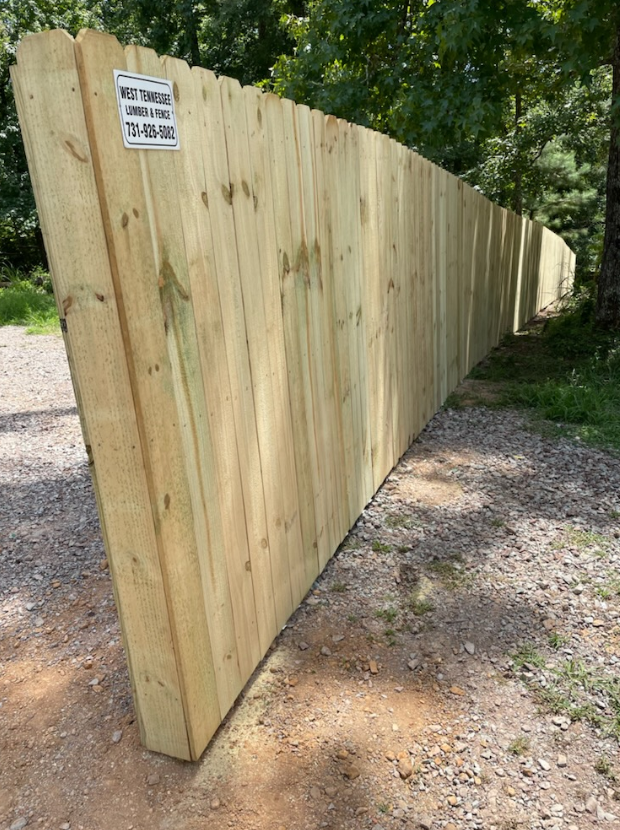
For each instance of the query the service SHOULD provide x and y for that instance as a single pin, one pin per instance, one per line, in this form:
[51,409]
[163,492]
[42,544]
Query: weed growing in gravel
[528,655]
[398,520]
[497,522]
[582,694]
[387,614]
[381,547]
[604,767]
[338,587]
[449,572]
[420,605]
[390,636]
[353,618]
[557,640]
[520,746]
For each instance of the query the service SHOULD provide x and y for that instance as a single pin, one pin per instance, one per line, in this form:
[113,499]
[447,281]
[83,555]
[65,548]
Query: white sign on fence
[146,110]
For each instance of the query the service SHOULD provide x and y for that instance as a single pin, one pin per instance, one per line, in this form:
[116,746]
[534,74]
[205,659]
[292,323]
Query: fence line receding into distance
[258,325]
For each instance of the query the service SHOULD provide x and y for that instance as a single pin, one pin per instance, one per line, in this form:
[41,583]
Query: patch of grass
[449,571]
[399,520]
[575,691]
[557,640]
[381,547]
[497,522]
[520,746]
[567,370]
[24,303]
[338,587]
[390,636]
[528,654]
[382,807]
[603,592]
[387,614]
[453,401]
[604,767]
[420,605]
[353,618]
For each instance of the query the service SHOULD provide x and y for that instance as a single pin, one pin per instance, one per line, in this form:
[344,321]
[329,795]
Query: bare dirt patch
[412,688]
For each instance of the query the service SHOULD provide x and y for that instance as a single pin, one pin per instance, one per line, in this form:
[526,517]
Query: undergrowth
[27,300]
[566,370]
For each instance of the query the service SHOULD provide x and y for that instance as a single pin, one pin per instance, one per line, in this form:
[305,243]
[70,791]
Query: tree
[455,78]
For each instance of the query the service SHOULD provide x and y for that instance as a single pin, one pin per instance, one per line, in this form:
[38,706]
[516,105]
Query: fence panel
[258,324]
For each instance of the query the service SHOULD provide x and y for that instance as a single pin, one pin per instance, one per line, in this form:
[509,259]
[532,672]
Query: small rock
[351,772]
[19,823]
[153,779]
[215,803]
[562,760]
[500,772]
[591,804]
[511,791]
[342,754]
[425,822]
[449,826]
[456,690]
[413,664]
[94,681]
[116,736]
[303,646]
[598,623]
[39,621]
[374,669]
[338,638]
[87,664]
[544,764]
[103,565]
[405,768]
[326,652]
[65,826]
[331,792]
[470,648]
[315,793]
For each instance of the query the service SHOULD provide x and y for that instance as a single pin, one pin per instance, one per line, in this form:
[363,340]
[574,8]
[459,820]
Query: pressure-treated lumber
[258,325]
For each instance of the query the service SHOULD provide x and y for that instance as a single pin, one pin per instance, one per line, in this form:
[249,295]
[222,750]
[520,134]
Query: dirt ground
[456,665]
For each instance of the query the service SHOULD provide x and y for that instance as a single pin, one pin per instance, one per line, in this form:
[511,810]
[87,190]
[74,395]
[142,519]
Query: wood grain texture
[258,326]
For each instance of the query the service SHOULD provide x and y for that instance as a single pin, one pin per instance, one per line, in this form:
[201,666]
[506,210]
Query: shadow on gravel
[31,420]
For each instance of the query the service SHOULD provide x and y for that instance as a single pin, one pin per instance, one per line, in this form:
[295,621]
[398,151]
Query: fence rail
[258,325]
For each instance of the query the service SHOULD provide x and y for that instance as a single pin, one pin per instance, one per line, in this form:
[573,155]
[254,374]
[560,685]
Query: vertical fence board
[130,234]
[47,89]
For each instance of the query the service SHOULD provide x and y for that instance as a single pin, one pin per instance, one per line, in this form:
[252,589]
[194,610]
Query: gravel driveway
[455,666]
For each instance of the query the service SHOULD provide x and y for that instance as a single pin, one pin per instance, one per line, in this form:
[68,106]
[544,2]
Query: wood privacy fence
[258,325]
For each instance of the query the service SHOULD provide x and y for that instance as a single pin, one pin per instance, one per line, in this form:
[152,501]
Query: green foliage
[241,38]
[28,302]
[568,373]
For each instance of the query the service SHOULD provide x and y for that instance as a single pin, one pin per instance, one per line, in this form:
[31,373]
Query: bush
[27,301]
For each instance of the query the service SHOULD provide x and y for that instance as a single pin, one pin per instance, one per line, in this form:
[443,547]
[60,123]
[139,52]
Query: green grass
[567,371]
[419,605]
[338,587]
[387,614]
[520,746]
[380,547]
[528,653]
[27,301]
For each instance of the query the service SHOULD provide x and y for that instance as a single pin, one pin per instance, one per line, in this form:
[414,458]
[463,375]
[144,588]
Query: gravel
[455,666]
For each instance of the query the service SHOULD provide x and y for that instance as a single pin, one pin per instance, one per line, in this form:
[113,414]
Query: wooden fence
[258,325]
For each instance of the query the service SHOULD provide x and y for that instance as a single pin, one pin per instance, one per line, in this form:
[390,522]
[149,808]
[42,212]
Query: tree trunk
[608,304]
[191,31]
[517,199]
